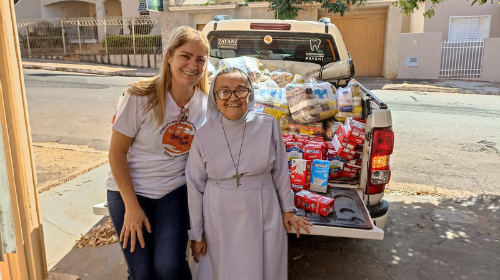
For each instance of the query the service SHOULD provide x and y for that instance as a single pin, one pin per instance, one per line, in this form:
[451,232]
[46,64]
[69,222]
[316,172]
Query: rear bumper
[379,213]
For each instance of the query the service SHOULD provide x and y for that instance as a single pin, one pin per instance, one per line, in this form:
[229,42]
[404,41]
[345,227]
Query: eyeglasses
[225,94]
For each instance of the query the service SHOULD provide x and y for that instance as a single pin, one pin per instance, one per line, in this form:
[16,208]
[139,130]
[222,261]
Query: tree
[288,9]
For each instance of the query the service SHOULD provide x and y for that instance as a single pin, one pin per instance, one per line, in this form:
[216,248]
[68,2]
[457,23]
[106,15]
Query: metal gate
[462,58]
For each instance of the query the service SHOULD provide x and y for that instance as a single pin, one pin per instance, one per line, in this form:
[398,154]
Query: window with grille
[469,28]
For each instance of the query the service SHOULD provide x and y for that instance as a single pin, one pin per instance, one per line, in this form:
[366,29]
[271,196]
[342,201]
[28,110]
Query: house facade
[459,41]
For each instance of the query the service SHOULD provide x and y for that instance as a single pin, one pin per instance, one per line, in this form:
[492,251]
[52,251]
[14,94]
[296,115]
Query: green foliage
[125,43]
[288,9]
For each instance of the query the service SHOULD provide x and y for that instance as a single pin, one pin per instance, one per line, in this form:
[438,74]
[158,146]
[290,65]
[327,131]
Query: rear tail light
[270,26]
[380,171]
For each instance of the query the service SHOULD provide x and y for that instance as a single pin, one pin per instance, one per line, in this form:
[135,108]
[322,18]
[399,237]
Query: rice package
[315,203]
[247,64]
[344,98]
[311,102]
[288,126]
[282,78]
[271,99]
[349,101]
[210,68]
[319,175]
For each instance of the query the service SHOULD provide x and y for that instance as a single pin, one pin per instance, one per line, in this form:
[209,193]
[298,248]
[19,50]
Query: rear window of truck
[301,47]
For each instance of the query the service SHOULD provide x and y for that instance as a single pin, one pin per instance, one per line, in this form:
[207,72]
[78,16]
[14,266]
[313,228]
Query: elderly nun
[240,202]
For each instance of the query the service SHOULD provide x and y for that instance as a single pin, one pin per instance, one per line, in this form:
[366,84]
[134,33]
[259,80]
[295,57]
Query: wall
[392,37]
[113,8]
[441,20]
[69,9]
[427,48]
[491,60]
[28,9]
[200,18]
[417,19]
[310,13]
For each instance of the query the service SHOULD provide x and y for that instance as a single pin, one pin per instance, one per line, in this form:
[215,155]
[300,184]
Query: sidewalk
[372,83]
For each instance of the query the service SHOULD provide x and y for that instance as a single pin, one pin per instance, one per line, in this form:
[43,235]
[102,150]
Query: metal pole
[28,39]
[64,40]
[105,37]
[79,39]
[133,35]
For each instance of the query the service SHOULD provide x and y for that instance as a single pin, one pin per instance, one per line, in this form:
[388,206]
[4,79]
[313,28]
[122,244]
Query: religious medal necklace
[183,112]
[236,166]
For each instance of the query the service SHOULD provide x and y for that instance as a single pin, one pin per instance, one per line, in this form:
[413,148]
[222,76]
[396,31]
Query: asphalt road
[445,141]
[72,108]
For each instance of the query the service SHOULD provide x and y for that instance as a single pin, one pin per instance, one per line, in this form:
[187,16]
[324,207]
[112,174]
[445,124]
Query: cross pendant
[237,176]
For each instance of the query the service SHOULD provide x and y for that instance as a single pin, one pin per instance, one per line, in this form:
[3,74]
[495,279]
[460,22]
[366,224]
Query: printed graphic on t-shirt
[177,137]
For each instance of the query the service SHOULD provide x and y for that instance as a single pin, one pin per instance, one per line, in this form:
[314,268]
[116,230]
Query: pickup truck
[316,49]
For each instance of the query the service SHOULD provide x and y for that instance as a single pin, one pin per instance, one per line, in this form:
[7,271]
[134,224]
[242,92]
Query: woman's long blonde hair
[157,87]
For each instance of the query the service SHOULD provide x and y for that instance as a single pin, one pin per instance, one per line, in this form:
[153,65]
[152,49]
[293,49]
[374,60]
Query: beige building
[371,32]
[46,9]
[460,41]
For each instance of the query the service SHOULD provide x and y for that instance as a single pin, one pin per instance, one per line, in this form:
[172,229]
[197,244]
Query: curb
[426,88]
[90,71]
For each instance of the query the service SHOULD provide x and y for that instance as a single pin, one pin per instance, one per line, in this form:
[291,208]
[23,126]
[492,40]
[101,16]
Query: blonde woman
[151,139]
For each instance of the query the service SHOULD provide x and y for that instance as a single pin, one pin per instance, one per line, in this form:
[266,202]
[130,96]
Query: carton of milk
[319,175]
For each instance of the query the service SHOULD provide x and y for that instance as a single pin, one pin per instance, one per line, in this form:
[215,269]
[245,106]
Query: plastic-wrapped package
[282,78]
[266,73]
[288,126]
[331,127]
[248,64]
[355,109]
[210,68]
[311,102]
[344,98]
[271,99]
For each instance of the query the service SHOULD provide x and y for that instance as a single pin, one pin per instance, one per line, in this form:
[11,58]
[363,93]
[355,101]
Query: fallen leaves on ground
[98,236]
[413,192]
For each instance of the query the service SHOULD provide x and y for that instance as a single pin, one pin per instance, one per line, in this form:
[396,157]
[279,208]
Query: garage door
[364,37]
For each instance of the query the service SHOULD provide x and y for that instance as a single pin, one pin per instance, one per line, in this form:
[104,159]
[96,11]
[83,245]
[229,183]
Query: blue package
[319,175]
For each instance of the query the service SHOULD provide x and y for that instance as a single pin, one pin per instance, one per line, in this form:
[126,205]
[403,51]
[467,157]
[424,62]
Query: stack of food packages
[309,113]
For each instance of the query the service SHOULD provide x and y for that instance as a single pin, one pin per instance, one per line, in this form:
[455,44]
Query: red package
[342,151]
[343,140]
[349,172]
[300,177]
[314,202]
[294,150]
[354,164]
[355,130]
[313,151]
[329,145]
[288,138]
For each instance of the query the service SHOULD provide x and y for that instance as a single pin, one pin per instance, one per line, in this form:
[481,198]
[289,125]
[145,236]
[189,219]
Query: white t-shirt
[157,157]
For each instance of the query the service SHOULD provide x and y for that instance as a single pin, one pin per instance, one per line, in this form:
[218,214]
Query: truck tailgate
[349,218]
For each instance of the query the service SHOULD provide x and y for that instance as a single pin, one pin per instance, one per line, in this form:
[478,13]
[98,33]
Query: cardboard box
[349,172]
[342,151]
[300,177]
[354,164]
[354,130]
[314,202]
[336,164]
[312,151]
[294,150]
[319,175]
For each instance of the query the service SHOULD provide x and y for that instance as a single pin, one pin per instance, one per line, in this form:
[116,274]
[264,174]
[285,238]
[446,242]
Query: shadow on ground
[426,238]
[94,263]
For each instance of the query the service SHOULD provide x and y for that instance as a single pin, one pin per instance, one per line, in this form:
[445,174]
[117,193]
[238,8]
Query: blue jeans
[164,256]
